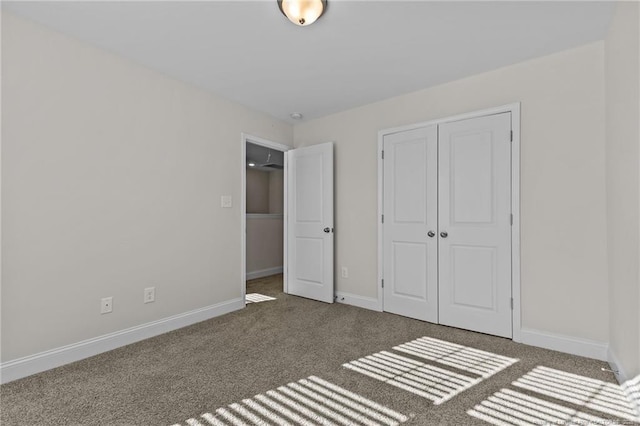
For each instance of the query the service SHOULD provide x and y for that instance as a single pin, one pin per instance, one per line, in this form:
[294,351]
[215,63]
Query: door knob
[327,230]
[431,234]
[444,234]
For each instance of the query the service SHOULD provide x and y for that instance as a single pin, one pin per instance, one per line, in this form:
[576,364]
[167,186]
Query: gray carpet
[178,377]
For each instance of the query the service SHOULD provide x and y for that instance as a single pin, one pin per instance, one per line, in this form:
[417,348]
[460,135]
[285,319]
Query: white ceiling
[358,52]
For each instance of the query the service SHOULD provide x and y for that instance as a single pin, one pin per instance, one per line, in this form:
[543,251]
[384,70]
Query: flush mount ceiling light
[302,12]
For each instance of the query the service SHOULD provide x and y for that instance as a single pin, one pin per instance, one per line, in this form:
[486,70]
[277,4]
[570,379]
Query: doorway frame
[247,138]
[514,109]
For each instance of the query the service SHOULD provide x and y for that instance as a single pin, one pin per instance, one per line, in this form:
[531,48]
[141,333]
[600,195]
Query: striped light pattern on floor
[511,408]
[307,402]
[632,389]
[428,381]
[257,297]
[607,398]
[464,358]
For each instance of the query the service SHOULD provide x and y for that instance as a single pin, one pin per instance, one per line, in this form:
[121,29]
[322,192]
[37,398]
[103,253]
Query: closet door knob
[431,234]
[444,234]
[327,230]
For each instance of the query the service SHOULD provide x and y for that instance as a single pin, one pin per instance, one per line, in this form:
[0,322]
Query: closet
[447,223]
[264,211]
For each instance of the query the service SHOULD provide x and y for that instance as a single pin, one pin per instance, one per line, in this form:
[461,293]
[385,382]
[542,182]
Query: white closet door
[475,224]
[410,213]
[310,222]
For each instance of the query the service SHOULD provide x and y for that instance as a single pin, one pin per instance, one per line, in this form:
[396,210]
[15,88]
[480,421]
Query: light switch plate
[226,201]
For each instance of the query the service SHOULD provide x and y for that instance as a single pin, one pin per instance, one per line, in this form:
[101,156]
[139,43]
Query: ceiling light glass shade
[302,12]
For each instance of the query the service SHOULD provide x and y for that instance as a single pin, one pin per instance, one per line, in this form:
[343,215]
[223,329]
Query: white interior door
[410,223]
[310,222]
[475,224]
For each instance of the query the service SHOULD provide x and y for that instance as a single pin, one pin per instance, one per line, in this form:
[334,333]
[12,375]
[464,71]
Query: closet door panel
[410,212]
[474,207]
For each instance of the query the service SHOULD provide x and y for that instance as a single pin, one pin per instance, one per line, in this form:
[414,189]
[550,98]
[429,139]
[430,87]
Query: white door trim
[244,137]
[514,109]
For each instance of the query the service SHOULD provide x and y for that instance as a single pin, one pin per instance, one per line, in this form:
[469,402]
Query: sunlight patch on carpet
[608,398]
[257,297]
[509,408]
[428,381]
[464,358]
[631,388]
[307,402]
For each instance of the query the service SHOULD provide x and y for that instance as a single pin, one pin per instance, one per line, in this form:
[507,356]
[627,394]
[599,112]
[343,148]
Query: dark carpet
[400,370]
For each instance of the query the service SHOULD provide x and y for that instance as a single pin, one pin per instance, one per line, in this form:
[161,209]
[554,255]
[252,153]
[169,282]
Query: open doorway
[263,214]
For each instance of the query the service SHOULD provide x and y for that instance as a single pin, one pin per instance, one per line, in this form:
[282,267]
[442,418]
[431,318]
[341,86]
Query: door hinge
[382,218]
[383,283]
[511,136]
[511,218]
[512,303]
[382,154]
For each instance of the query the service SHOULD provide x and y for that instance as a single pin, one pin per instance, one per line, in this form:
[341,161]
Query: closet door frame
[514,109]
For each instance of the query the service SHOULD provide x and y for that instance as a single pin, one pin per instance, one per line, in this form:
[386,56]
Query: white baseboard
[32,364]
[359,301]
[618,369]
[567,344]
[264,273]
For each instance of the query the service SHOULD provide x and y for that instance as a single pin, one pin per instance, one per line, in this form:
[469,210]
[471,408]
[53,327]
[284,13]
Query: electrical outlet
[149,294]
[345,272]
[106,305]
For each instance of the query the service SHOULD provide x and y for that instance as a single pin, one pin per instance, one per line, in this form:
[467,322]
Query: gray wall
[564,262]
[112,176]
[623,186]
[111,182]
[264,230]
